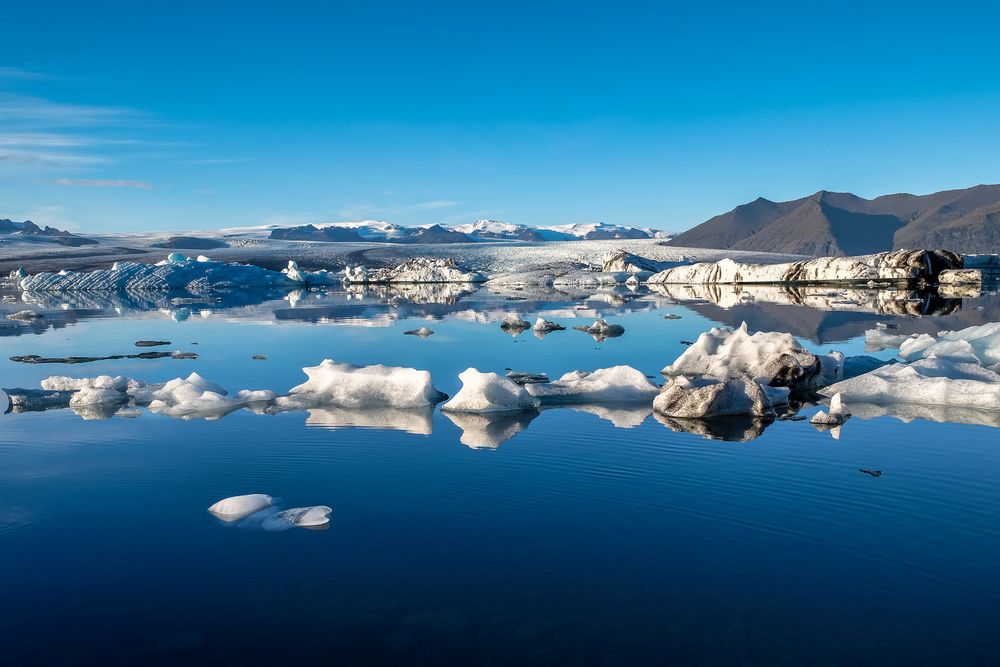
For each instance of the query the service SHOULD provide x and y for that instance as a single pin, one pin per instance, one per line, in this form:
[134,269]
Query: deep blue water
[573,542]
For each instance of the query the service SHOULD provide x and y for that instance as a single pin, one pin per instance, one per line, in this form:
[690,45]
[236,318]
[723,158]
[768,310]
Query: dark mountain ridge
[840,223]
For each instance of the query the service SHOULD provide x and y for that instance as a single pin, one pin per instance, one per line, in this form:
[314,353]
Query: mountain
[479,231]
[313,233]
[29,231]
[840,223]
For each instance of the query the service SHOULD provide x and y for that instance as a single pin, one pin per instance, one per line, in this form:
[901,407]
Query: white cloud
[101,183]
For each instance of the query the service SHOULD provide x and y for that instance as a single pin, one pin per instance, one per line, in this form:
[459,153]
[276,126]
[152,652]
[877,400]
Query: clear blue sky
[186,115]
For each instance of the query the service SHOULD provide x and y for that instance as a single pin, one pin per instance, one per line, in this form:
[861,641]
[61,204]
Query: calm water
[575,541]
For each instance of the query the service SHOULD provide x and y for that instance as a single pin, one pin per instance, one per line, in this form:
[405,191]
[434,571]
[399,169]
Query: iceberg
[513,324]
[423,332]
[348,386]
[977,344]
[544,326]
[417,270]
[239,507]
[770,358]
[489,392]
[601,330]
[897,266]
[617,384]
[175,273]
[704,397]
[836,416]
[930,381]
[305,517]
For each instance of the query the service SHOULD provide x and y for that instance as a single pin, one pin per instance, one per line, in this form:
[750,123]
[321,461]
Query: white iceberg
[238,507]
[513,324]
[302,517]
[417,270]
[834,417]
[617,384]
[601,330]
[542,325]
[769,358]
[931,381]
[489,392]
[978,344]
[349,386]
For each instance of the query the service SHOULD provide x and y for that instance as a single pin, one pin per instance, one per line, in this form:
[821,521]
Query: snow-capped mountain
[479,231]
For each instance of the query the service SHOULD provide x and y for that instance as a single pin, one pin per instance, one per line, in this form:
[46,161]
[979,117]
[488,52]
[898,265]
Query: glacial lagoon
[581,534]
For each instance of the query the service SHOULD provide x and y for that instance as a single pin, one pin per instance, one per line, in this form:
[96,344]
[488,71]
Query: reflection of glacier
[412,420]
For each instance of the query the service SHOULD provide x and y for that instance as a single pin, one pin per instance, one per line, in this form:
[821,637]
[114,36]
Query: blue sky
[184,115]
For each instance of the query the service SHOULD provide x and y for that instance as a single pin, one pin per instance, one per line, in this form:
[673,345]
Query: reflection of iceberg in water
[620,416]
[879,301]
[412,420]
[492,429]
[908,412]
[736,429]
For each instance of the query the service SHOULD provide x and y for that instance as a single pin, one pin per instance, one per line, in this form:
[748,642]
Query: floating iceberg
[769,358]
[513,324]
[836,416]
[620,261]
[699,398]
[542,325]
[418,270]
[618,384]
[302,517]
[897,266]
[423,332]
[601,330]
[349,386]
[931,381]
[978,344]
[175,273]
[489,392]
[239,507]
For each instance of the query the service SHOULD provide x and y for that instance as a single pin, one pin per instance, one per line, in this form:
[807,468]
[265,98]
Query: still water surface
[574,541]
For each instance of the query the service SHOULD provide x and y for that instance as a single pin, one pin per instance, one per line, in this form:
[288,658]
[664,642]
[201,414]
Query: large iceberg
[239,507]
[978,344]
[897,266]
[689,398]
[177,272]
[489,392]
[417,270]
[358,387]
[769,358]
[618,384]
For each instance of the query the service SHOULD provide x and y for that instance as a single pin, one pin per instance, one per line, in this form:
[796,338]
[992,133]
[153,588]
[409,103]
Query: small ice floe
[618,384]
[886,325]
[151,343]
[348,386]
[259,357]
[513,324]
[543,326]
[235,508]
[195,397]
[671,316]
[103,389]
[489,392]
[34,400]
[24,316]
[870,472]
[524,377]
[832,420]
[601,330]
[423,332]
[299,517]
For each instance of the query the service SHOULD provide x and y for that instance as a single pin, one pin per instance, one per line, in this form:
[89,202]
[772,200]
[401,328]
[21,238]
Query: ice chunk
[836,416]
[684,398]
[513,324]
[24,316]
[303,517]
[489,392]
[771,358]
[348,386]
[933,381]
[423,332]
[978,344]
[238,507]
[877,340]
[601,330]
[542,325]
[618,384]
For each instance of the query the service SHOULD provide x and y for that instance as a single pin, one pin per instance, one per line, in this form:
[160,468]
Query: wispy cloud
[20,73]
[48,159]
[218,160]
[429,206]
[101,183]
[40,111]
